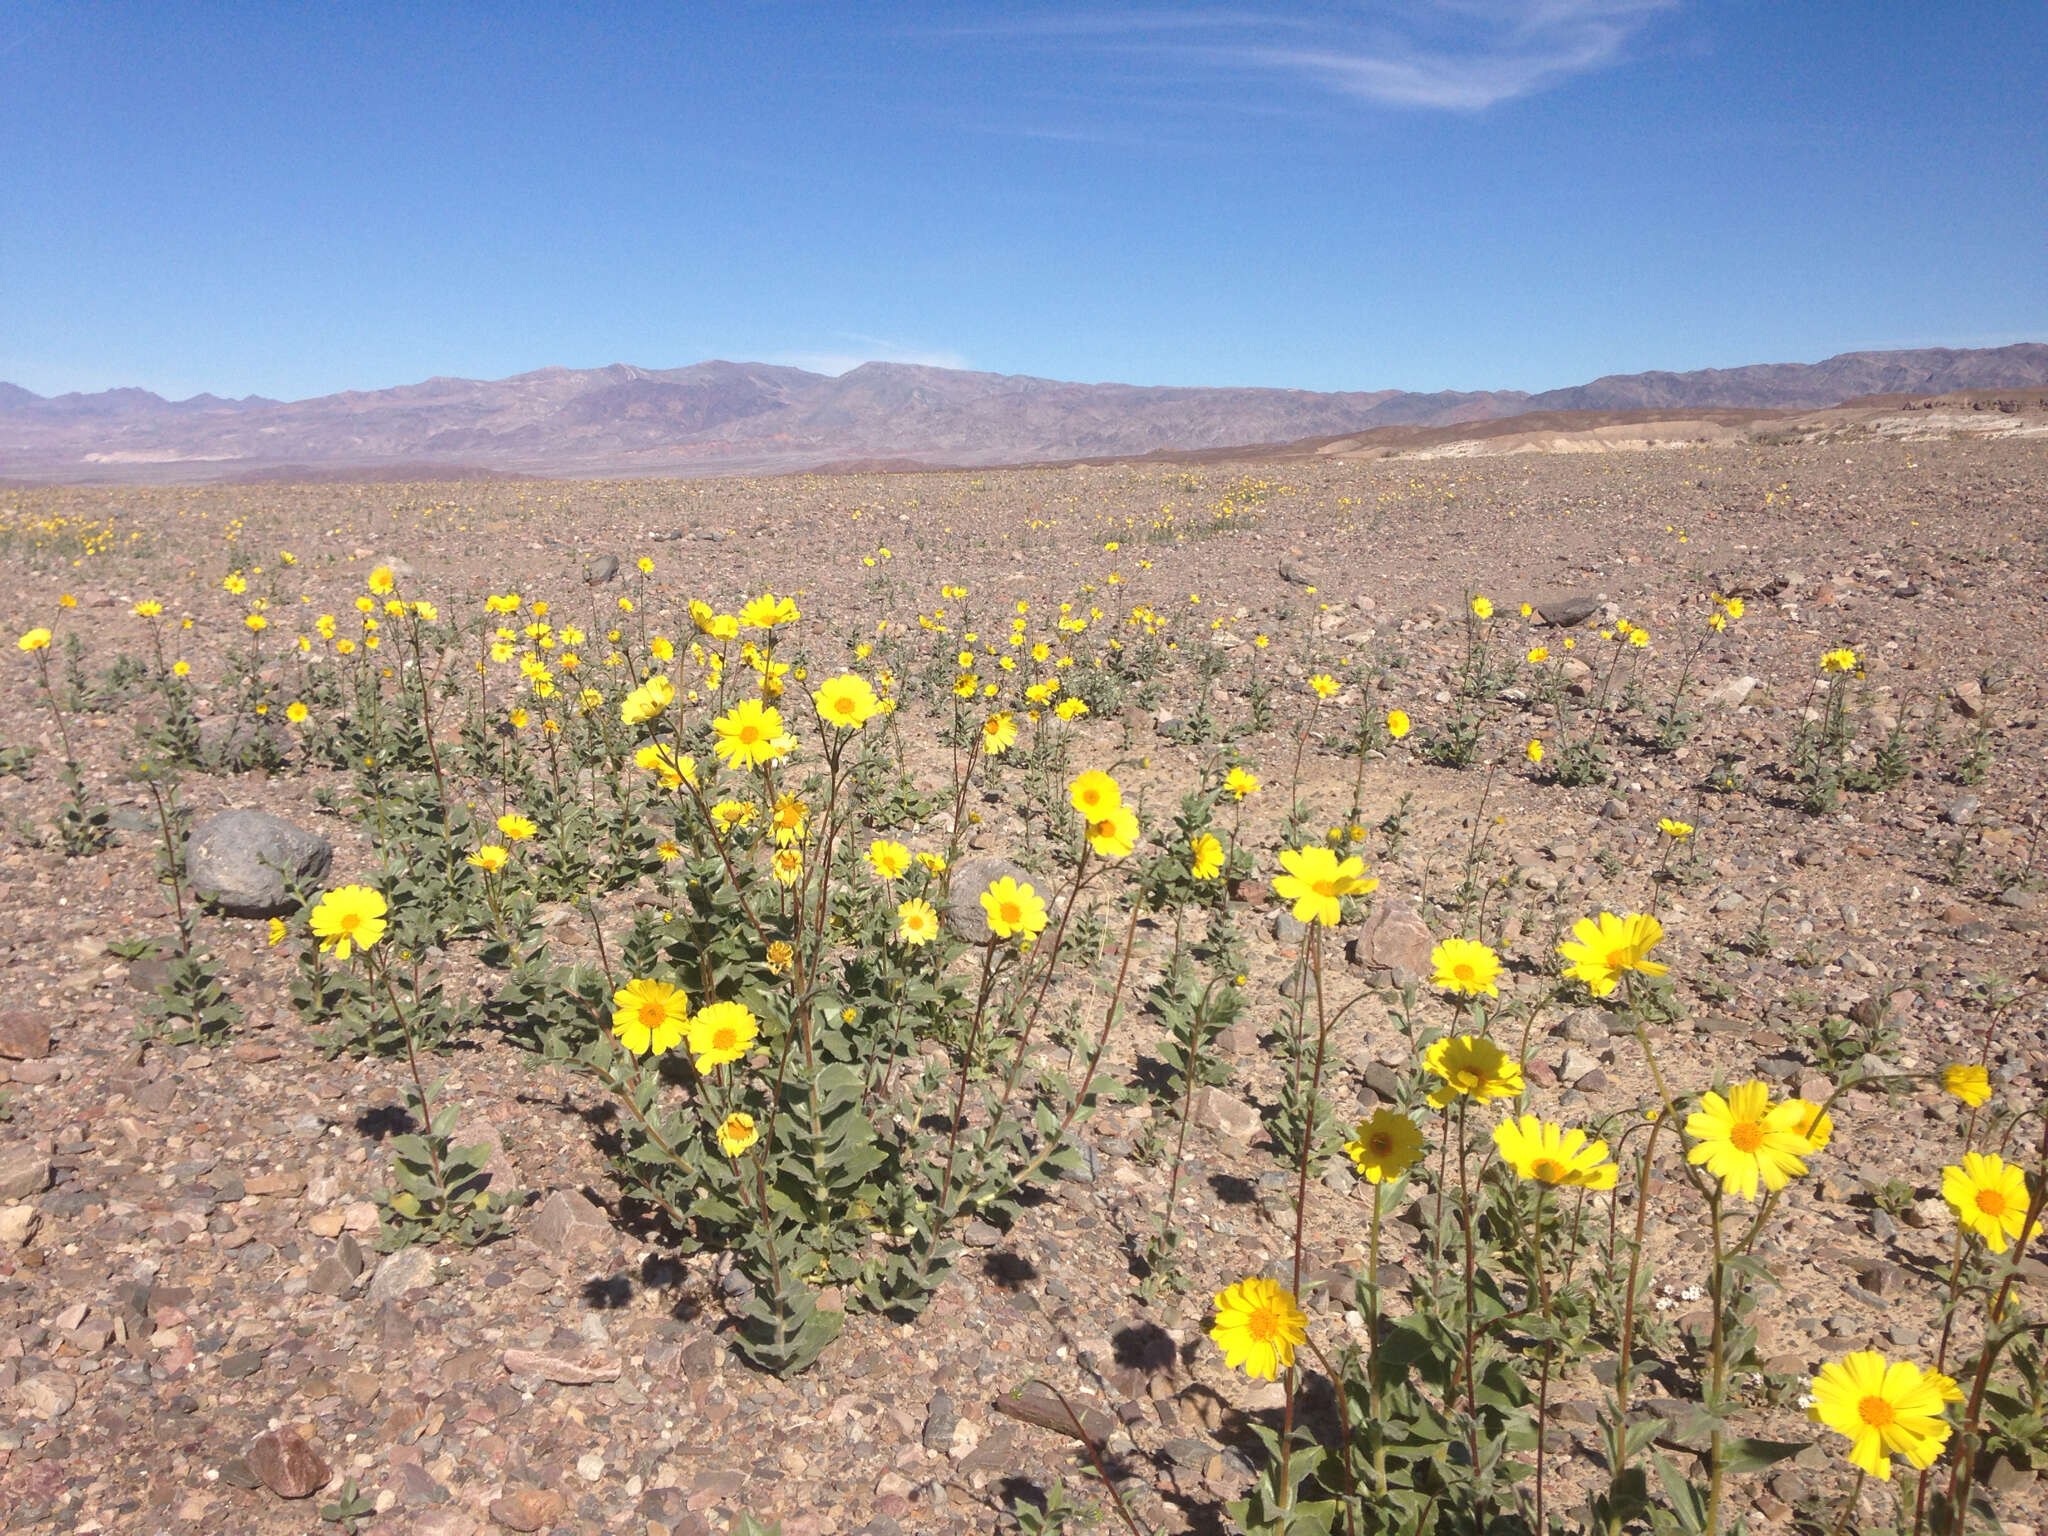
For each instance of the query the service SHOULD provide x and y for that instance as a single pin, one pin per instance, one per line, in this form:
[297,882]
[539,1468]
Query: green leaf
[1744,1455]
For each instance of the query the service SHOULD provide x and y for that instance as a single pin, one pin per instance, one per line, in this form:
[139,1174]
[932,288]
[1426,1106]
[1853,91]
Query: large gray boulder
[245,862]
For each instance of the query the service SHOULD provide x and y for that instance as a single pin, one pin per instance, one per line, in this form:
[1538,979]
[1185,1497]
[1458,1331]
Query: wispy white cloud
[855,349]
[1447,55]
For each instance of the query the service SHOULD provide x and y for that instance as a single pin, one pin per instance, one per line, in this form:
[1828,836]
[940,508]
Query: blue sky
[293,199]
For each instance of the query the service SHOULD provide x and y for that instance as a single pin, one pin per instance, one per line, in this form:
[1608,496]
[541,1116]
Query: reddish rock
[528,1509]
[23,1037]
[288,1466]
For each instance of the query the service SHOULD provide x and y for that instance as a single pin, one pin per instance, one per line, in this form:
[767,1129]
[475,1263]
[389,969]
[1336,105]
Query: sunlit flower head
[847,702]
[1603,949]
[1013,909]
[1534,751]
[1325,686]
[347,918]
[490,858]
[148,608]
[889,860]
[917,922]
[1482,607]
[649,1016]
[1384,1146]
[1316,880]
[382,582]
[1744,1138]
[1989,1196]
[998,733]
[736,1133]
[768,612]
[1474,1067]
[1971,1084]
[1398,723]
[1205,856]
[1258,1324]
[37,639]
[1549,1154]
[515,827]
[1464,968]
[1095,794]
[1677,831]
[1240,782]
[1843,660]
[647,701]
[721,1032]
[1885,1408]
[1114,834]
[750,734]
[670,768]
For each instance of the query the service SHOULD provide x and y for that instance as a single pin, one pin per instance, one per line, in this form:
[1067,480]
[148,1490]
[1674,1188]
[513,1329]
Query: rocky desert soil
[196,1334]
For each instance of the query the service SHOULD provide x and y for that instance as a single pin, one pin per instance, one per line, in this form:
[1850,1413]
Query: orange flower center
[1617,960]
[1013,914]
[725,1038]
[1745,1135]
[1991,1202]
[1380,1145]
[351,921]
[843,705]
[1263,1325]
[1876,1412]
[1466,1079]
[651,1015]
[749,734]
[1548,1169]
[1464,970]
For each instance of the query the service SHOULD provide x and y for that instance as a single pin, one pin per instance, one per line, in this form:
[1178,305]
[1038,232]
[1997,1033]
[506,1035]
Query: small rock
[567,1223]
[528,1509]
[288,1466]
[18,1224]
[1961,810]
[1226,1114]
[981,1234]
[1733,692]
[330,1277]
[561,1368]
[1564,611]
[1288,928]
[1395,940]
[23,1172]
[23,1037]
[1880,1277]
[47,1397]
[601,570]
[1300,573]
[409,1269]
[242,861]
[939,1419]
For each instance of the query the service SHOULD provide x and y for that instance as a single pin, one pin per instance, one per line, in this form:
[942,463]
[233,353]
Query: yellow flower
[721,1032]
[516,828]
[1744,1138]
[917,922]
[768,611]
[1095,794]
[1817,1128]
[647,701]
[1385,1146]
[490,858]
[644,565]
[296,712]
[1969,1083]
[1465,967]
[781,957]
[1883,1408]
[847,702]
[1482,607]
[1398,724]
[1677,831]
[788,819]
[668,850]
[1070,709]
[787,866]
[1013,909]
[661,648]
[1528,609]
[1843,660]
[998,733]
[1474,1066]
[1610,945]
[1325,686]
[736,1133]
[648,1016]
[1258,1324]
[888,859]
[233,582]
[1316,880]
[1538,655]
[750,734]
[730,814]
[1534,751]
[37,639]
[349,917]
[277,931]
[1549,1154]
[931,863]
[1989,1196]
[1114,834]
[382,582]
[181,669]
[670,769]
[518,717]
[1205,856]
[148,608]
[1241,782]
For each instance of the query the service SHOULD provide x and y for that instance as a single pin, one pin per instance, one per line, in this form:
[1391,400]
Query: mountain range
[748,418]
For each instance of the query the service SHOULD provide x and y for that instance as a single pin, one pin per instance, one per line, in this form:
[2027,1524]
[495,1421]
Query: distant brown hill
[746,418]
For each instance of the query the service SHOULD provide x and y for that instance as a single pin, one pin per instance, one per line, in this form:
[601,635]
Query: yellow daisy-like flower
[1070,709]
[1095,794]
[670,768]
[847,702]
[721,1032]
[382,582]
[1258,1324]
[181,669]
[1677,831]
[787,866]
[1538,655]
[668,850]
[1473,1066]
[1013,909]
[1465,968]
[1115,834]
[1971,1084]
[1745,1138]
[750,734]
[1241,782]
[1384,1146]
[917,922]
[781,957]
[1325,686]
[277,932]
[649,1016]
[998,733]
[769,612]
[1398,723]
[516,828]
[732,814]
[1884,1408]
[1205,856]
[296,712]
[37,639]
[1816,1127]
[932,863]
[737,1132]
[1843,660]
[647,701]
[788,820]
[1548,1153]
[1610,945]
[1989,1196]
[148,608]
[349,917]
[1316,880]
[888,859]
[490,858]
[1482,607]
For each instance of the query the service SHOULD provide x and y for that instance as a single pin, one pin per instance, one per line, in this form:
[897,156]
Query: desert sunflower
[1548,1153]
[1258,1323]
[1884,1408]
[1989,1196]
[648,1016]
[1384,1146]
[349,917]
[721,1032]
[1744,1138]
[1473,1066]
[1316,881]
[1013,909]
[1465,968]
[1608,946]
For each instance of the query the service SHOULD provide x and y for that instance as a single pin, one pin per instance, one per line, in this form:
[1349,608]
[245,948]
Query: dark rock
[1563,612]
[243,861]
[601,570]
[940,1420]
[288,1466]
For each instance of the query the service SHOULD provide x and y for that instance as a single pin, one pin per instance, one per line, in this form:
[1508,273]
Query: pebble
[287,1465]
